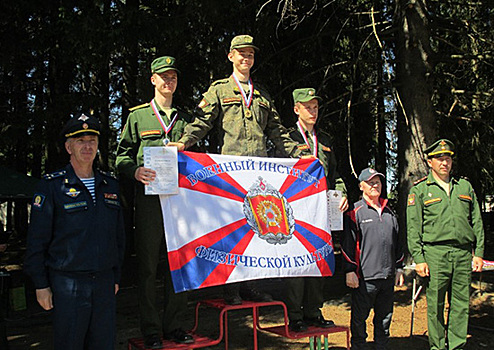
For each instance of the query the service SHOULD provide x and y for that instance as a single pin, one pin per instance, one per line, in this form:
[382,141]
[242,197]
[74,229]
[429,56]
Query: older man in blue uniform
[76,242]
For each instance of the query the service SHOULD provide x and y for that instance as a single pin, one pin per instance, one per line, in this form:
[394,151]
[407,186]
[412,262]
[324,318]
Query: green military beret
[304,95]
[241,41]
[81,124]
[163,64]
[439,148]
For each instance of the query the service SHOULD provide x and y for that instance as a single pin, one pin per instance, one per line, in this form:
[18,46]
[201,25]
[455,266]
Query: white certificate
[334,214]
[164,161]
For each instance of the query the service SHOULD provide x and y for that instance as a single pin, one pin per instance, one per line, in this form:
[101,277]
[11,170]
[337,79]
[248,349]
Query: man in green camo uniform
[446,241]
[305,294]
[153,124]
[244,117]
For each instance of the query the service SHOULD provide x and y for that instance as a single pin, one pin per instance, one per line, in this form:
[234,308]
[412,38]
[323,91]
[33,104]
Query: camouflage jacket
[242,131]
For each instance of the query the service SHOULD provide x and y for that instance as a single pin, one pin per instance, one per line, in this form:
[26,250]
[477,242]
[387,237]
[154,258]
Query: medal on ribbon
[247,99]
[314,138]
[166,128]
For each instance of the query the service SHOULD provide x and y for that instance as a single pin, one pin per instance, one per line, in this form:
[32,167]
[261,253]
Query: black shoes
[298,326]
[303,325]
[179,336]
[152,342]
[319,322]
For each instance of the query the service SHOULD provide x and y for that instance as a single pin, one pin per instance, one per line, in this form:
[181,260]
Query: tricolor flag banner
[243,218]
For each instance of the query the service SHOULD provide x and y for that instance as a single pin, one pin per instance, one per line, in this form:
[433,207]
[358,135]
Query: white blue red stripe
[210,238]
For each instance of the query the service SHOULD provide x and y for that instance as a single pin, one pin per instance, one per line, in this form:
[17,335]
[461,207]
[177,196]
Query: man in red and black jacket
[373,258]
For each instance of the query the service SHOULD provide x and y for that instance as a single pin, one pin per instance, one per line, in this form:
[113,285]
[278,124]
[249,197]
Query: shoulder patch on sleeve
[411,199]
[139,107]
[38,201]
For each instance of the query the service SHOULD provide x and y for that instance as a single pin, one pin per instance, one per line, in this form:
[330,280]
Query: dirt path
[32,329]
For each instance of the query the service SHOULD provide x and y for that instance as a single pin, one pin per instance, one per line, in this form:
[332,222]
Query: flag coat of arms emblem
[241,218]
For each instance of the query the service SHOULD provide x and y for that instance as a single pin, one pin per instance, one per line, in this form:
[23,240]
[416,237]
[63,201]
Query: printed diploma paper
[163,160]
[334,214]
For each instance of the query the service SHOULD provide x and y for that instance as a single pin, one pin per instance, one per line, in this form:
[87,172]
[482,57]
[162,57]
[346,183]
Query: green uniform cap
[241,41]
[305,95]
[81,124]
[439,148]
[163,64]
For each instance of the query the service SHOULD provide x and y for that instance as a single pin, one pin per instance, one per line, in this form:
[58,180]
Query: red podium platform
[313,333]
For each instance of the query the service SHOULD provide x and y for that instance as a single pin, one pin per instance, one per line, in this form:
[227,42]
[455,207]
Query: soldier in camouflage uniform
[153,124]
[245,117]
[241,109]
[445,233]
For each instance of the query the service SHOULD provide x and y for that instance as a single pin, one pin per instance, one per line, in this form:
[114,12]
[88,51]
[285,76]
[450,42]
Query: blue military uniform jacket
[71,233]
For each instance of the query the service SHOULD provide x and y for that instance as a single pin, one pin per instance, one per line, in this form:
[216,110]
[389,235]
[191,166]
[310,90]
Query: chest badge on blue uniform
[73,193]
[112,199]
[111,196]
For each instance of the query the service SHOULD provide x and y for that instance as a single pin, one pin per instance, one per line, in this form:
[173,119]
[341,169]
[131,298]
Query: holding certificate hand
[145,175]
[180,146]
[154,124]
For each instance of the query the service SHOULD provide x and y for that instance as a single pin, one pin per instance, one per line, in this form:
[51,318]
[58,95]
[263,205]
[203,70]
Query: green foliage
[62,56]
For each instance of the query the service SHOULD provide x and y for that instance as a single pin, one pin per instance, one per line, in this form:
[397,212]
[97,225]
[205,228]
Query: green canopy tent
[17,188]
[15,185]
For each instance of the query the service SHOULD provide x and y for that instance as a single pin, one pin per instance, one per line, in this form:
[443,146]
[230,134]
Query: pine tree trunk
[416,122]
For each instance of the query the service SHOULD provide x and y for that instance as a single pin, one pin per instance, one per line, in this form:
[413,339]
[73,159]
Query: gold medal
[248,113]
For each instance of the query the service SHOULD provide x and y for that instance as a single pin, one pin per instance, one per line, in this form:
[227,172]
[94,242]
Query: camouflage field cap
[305,95]
[241,41]
[81,124]
[440,148]
[163,64]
